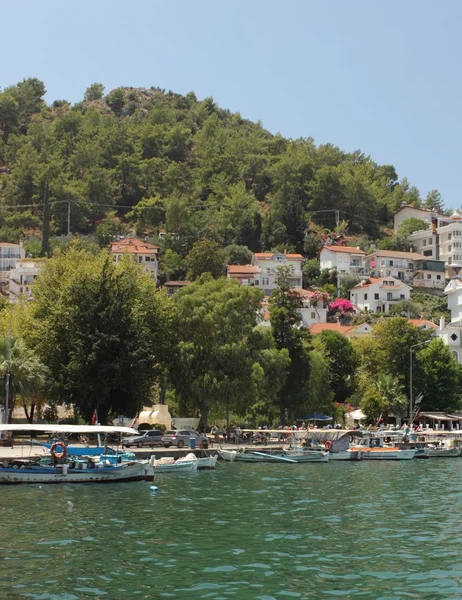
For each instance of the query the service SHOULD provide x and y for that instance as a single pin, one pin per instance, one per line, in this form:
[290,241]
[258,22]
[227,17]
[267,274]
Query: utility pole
[46,223]
[68,218]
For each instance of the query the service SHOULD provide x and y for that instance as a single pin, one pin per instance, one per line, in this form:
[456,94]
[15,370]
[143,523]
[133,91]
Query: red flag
[94,418]
[133,423]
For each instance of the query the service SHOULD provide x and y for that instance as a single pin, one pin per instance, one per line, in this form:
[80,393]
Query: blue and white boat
[63,469]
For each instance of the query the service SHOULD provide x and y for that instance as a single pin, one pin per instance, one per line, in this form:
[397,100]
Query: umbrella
[316,417]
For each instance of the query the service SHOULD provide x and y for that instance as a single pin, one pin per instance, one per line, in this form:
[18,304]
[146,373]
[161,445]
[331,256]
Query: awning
[437,417]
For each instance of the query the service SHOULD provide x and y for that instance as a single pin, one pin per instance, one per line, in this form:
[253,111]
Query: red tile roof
[265,255]
[395,254]
[422,323]
[319,327]
[235,270]
[346,249]
[133,246]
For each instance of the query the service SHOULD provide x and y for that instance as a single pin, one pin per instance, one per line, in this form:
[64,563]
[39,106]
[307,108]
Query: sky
[382,76]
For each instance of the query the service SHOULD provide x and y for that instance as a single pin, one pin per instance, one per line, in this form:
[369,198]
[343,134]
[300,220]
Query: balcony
[357,269]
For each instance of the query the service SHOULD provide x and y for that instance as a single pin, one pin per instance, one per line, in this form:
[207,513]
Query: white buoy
[153,488]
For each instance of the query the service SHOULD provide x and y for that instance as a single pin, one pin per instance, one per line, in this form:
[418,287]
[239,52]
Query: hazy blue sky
[383,76]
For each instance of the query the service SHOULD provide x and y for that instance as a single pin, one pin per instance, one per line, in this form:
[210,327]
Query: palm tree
[24,374]
[391,390]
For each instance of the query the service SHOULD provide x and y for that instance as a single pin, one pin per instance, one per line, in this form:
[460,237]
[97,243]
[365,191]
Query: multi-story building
[410,267]
[441,239]
[268,262]
[145,254]
[22,277]
[9,255]
[343,259]
[379,294]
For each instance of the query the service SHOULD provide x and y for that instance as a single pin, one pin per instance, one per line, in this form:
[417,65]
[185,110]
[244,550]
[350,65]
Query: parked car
[152,437]
[181,437]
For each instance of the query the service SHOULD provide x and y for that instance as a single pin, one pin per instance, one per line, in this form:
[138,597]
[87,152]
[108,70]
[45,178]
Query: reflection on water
[266,532]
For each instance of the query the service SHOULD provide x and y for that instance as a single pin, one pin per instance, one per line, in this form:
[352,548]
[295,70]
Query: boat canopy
[331,434]
[50,428]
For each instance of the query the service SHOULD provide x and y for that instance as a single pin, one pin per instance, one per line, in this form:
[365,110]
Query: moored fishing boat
[167,464]
[381,446]
[63,469]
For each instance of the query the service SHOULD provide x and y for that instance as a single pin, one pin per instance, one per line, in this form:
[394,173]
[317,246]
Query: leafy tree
[205,257]
[320,395]
[442,378]
[238,255]
[94,92]
[386,350]
[285,323]
[102,331]
[410,225]
[432,307]
[406,308]
[342,361]
[172,265]
[217,349]
[311,271]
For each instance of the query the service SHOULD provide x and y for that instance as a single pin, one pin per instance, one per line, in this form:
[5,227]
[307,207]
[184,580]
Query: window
[389,296]
[402,297]
[376,296]
[457,245]
[449,237]
[429,276]
[424,242]
[365,296]
[438,277]
[455,355]
[313,315]
[457,233]
[430,241]
[449,247]
[427,252]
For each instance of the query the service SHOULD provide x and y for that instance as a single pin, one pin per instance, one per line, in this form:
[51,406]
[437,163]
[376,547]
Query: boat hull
[129,472]
[446,453]
[207,462]
[184,466]
[387,454]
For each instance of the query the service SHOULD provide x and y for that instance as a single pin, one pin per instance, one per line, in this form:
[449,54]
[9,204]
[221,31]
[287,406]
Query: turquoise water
[268,531]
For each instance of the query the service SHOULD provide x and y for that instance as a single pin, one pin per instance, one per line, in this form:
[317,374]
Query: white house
[268,262]
[145,254]
[22,277]
[314,308]
[344,259]
[410,267]
[379,294]
[406,211]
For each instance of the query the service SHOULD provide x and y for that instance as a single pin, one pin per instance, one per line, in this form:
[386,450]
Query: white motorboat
[167,464]
[382,445]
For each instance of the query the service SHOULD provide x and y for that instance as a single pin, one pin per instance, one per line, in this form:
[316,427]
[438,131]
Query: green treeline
[100,335]
[158,159]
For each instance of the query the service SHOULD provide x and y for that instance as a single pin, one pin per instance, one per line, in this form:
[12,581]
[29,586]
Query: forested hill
[160,160]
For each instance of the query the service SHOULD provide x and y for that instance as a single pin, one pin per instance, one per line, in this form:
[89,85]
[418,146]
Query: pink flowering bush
[317,295]
[341,306]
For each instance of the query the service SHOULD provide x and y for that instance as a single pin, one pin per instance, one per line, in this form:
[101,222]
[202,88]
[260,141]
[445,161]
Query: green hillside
[152,159]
